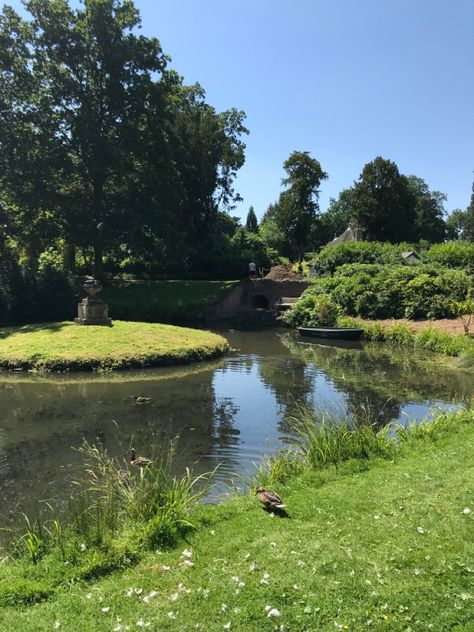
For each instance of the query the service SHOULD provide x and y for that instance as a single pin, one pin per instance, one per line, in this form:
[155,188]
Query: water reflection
[227,412]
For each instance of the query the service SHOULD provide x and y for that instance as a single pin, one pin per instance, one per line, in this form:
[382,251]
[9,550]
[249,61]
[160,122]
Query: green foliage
[332,257]
[313,310]
[103,147]
[454,254]
[295,213]
[383,204]
[464,310]
[251,223]
[392,291]
[461,223]
[428,338]
[28,297]
[324,441]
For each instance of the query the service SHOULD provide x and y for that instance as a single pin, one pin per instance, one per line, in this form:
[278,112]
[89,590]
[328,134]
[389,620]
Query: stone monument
[92,310]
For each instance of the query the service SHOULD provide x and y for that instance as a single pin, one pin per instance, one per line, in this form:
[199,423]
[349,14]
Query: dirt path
[451,325]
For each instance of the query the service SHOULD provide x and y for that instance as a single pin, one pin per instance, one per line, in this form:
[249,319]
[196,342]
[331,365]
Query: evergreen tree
[251,223]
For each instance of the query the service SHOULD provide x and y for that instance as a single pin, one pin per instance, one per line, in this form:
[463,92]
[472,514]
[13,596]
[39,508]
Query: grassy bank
[163,301]
[431,339]
[372,540]
[65,346]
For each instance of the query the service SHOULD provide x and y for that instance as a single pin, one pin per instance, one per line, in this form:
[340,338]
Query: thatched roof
[347,235]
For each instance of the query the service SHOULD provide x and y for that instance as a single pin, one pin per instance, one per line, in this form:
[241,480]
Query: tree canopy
[297,209]
[100,143]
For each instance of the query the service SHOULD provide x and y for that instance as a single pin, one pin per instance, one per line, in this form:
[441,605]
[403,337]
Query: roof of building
[347,235]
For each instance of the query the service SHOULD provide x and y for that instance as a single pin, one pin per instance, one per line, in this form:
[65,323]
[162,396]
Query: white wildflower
[213,532]
[182,588]
[171,615]
[105,610]
[227,625]
[138,591]
[129,592]
[186,553]
[241,584]
[118,628]
[253,567]
[420,529]
[466,511]
[83,547]
[246,556]
[186,563]
[174,596]
[296,587]
[89,596]
[142,624]
[273,612]
[224,607]
[234,578]
[166,568]
[376,517]
[56,625]
[273,544]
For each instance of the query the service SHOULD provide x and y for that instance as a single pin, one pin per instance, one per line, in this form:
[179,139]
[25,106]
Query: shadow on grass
[5,332]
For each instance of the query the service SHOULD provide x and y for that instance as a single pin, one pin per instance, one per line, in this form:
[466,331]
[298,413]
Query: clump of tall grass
[324,441]
[441,424]
[116,506]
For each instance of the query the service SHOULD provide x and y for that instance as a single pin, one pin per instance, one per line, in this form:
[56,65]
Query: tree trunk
[69,257]
[98,262]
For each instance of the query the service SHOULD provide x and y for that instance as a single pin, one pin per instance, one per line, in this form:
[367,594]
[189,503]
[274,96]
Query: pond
[226,412]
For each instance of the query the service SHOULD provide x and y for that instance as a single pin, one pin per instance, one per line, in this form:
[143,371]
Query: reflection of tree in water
[369,407]
[224,432]
[291,383]
[377,379]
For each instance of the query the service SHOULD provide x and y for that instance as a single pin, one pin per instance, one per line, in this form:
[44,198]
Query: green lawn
[66,346]
[163,301]
[386,546]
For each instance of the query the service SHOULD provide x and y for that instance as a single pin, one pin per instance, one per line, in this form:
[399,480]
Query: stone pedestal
[92,311]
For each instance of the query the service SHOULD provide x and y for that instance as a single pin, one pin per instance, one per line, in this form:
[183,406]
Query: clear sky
[346,80]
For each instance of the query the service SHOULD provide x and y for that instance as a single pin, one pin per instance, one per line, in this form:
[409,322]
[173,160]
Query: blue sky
[346,80]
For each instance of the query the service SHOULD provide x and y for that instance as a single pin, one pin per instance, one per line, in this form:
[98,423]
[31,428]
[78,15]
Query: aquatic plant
[324,441]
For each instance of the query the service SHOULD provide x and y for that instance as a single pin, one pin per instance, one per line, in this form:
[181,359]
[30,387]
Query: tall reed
[324,441]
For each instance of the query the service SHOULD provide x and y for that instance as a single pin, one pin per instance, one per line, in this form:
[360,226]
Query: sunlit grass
[65,346]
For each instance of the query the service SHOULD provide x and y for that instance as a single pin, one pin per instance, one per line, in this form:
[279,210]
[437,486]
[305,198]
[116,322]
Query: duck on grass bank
[270,499]
[138,461]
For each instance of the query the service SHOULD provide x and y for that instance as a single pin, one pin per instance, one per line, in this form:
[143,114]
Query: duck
[140,399]
[269,498]
[138,461]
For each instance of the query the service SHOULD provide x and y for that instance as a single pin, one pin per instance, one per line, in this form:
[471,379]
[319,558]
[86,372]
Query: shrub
[455,254]
[313,311]
[391,291]
[332,257]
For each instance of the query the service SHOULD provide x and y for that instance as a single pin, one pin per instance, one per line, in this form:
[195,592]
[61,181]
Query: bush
[455,254]
[332,257]
[397,291]
[313,311]
[32,297]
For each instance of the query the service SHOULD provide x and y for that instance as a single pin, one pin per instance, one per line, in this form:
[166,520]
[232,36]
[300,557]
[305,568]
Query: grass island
[64,346]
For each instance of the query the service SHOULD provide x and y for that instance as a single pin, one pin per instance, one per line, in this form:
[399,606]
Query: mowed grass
[163,301]
[66,346]
[377,545]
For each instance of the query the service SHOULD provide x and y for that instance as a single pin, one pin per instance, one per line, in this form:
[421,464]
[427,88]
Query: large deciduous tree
[384,205]
[461,223]
[77,86]
[429,211]
[102,145]
[297,209]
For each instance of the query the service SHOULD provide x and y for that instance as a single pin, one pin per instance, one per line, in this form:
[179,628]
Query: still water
[226,412]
